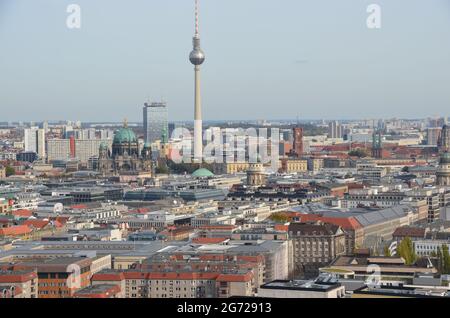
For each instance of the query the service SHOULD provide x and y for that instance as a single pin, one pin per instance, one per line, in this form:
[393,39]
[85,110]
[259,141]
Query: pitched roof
[22,213]
[409,231]
[313,229]
[235,277]
[350,223]
[17,277]
[384,215]
[37,224]
[108,276]
[15,230]
[281,227]
[218,227]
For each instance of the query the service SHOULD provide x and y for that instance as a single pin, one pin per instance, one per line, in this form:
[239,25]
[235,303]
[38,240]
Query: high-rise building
[298,141]
[156,125]
[80,149]
[433,135]
[444,140]
[197,57]
[335,130]
[34,140]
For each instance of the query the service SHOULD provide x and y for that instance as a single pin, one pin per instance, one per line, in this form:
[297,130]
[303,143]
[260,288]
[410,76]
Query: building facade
[156,126]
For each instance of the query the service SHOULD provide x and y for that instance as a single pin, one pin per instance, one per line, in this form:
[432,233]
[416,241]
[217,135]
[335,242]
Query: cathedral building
[125,160]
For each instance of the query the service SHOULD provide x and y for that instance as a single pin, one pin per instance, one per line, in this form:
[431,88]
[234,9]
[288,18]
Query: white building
[34,140]
[426,247]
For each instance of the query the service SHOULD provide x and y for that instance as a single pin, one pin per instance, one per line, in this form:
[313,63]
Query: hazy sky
[265,59]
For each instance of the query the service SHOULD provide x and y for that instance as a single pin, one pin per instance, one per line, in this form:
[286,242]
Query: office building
[155,122]
[335,130]
[433,135]
[444,140]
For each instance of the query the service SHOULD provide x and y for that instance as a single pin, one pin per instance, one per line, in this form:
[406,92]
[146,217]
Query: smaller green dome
[202,173]
[103,146]
[124,135]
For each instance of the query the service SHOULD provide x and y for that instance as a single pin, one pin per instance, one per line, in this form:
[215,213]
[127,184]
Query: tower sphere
[197,57]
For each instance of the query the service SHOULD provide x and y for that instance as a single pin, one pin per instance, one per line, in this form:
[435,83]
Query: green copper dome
[202,173]
[124,135]
[103,146]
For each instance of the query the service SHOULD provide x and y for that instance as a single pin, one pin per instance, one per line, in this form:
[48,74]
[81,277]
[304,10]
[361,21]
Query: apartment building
[24,281]
[59,277]
[181,284]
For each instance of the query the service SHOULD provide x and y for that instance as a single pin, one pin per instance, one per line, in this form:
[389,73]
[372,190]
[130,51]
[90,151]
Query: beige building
[4,206]
[230,167]
[100,263]
[2,172]
[137,284]
[293,165]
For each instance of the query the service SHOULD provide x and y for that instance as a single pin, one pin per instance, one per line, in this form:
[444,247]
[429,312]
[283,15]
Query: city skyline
[107,68]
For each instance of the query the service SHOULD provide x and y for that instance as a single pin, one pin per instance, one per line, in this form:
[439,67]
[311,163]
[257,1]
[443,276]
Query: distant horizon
[306,120]
[264,58]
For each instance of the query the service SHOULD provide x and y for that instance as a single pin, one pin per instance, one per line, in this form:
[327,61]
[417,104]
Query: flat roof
[302,285]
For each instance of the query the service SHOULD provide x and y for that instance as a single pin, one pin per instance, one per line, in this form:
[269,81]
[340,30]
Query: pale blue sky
[265,59]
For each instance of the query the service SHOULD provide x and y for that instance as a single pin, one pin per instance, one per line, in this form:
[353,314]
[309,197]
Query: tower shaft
[198,122]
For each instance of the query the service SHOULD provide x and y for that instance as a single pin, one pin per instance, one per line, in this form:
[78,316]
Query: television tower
[197,57]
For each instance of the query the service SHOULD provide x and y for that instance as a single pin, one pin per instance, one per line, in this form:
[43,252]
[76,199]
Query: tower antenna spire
[196,17]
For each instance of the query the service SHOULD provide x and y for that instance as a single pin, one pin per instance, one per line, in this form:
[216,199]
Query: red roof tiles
[15,230]
[37,224]
[22,213]
[108,277]
[12,277]
[235,277]
[349,223]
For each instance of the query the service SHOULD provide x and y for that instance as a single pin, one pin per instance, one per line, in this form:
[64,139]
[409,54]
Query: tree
[162,168]
[443,259]
[406,250]
[358,152]
[10,171]
[279,217]
[439,260]
[387,251]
